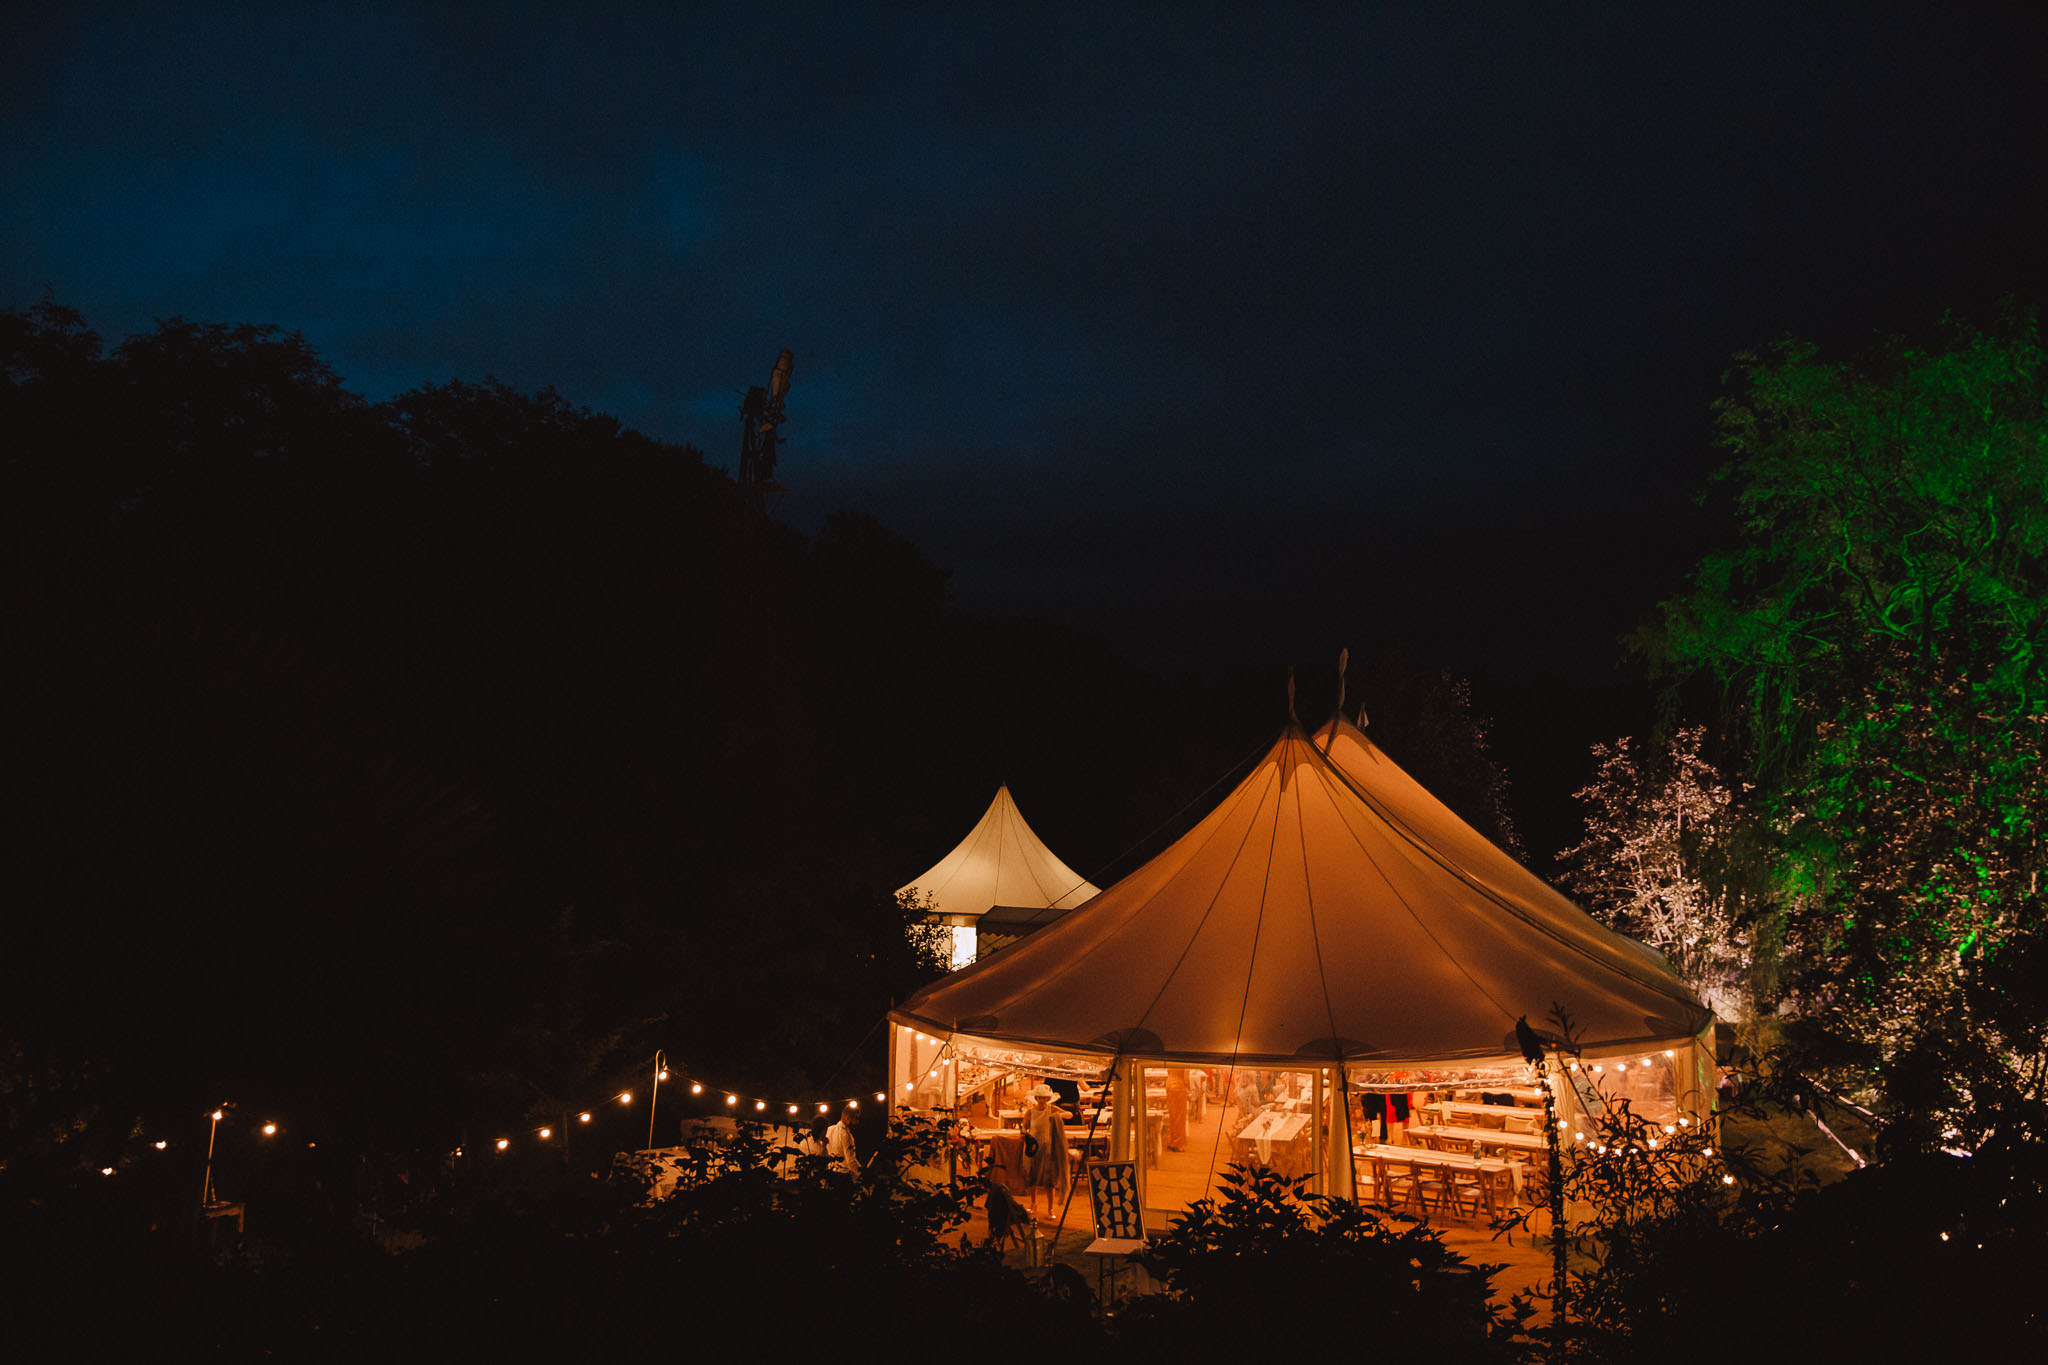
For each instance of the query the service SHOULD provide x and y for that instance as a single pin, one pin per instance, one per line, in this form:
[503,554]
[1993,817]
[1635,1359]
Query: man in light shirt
[839,1141]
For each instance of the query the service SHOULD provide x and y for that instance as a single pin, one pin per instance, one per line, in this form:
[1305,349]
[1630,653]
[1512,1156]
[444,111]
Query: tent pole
[1350,1190]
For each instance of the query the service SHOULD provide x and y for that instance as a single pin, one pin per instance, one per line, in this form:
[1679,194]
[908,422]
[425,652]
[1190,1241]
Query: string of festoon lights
[269,1127]
[736,1102]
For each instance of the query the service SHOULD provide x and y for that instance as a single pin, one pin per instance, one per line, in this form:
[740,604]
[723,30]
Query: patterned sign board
[1114,1186]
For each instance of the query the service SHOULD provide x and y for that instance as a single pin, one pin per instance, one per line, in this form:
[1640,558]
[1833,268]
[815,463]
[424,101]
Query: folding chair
[1011,1224]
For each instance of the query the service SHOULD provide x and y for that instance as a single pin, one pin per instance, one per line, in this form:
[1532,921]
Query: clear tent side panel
[1669,1087]
[920,1076]
[1196,1122]
[1492,1113]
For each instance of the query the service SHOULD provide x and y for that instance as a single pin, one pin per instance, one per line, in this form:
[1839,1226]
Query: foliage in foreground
[1921,1255]
[1267,1262]
[1687,1251]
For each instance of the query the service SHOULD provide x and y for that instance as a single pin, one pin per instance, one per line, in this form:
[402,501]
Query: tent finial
[1290,696]
[1343,663]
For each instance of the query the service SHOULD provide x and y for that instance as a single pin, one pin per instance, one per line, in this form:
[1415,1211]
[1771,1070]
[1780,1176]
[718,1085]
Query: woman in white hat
[1045,1147]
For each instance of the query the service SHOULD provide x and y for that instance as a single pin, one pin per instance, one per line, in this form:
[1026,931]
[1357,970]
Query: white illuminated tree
[1655,823]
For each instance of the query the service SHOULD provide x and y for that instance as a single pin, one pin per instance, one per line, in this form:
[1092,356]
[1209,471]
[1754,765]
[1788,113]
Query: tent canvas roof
[1001,862]
[1329,907]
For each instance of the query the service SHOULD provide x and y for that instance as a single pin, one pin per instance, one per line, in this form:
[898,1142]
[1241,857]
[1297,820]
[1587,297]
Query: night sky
[1232,335]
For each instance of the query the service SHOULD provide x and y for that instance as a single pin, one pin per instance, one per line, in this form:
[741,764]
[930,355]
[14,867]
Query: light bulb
[626,1097]
[661,1075]
[109,1170]
[503,1143]
[732,1099]
[159,1144]
[216,1116]
[270,1130]
[759,1105]
[696,1087]
[546,1133]
[583,1117]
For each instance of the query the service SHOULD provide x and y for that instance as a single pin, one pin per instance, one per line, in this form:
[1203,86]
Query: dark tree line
[415,767]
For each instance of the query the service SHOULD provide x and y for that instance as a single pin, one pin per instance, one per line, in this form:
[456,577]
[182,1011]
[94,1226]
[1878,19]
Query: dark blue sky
[1221,331]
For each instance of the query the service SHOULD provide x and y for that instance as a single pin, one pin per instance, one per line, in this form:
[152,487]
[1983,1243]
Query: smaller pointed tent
[998,884]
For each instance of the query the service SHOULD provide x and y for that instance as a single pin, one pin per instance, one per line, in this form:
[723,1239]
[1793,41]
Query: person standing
[813,1142]
[1045,1148]
[1176,1109]
[839,1141]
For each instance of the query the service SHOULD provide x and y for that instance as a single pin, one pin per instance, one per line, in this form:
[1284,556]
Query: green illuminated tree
[1881,629]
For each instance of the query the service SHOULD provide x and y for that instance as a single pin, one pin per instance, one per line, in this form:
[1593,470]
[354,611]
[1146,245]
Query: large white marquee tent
[1330,927]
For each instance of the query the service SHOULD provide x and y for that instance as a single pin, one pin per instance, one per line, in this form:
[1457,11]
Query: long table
[1276,1129]
[1528,1096]
[1498,1181]
[1482,1137]
[1460,1110]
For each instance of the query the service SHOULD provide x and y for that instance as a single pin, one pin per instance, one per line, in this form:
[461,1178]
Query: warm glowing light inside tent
[963,946]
